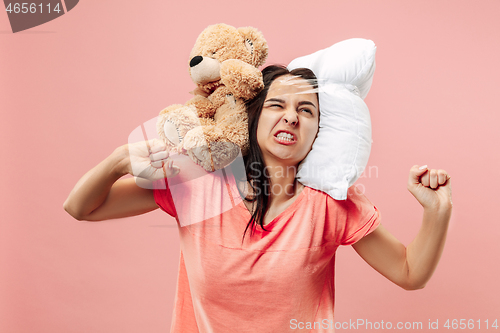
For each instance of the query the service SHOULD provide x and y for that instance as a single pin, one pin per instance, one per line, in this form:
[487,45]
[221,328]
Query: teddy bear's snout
[195,61]
[204,69]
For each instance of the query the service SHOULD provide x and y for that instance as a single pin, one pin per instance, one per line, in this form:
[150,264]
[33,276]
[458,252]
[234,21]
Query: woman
[279,276]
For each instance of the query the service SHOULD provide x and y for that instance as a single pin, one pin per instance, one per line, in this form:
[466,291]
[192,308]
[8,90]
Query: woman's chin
[286,158]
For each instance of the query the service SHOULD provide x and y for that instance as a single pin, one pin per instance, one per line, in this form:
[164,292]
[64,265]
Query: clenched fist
[150,160]
[431,187]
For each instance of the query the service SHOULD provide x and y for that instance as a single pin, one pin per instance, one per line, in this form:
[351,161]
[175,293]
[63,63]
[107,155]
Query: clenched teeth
[285,136]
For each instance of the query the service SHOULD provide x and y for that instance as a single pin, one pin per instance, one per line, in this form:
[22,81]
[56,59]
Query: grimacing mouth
[294,137]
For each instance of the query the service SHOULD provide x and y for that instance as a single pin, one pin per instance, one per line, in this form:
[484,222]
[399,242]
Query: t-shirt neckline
[278,218]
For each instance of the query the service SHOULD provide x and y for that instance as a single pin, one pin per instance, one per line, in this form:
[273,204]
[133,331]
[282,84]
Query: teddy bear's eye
[249,45]
[229,95]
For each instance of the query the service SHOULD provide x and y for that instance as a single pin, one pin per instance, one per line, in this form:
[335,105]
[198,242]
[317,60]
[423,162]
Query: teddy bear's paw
[196,147]
[215,155]
[243,79]
[223,153]
[171,132]
[195,143]
[202,157]
[207,148]
[174,122]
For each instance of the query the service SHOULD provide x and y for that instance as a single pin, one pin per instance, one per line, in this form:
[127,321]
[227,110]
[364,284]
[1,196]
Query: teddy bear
[212,127]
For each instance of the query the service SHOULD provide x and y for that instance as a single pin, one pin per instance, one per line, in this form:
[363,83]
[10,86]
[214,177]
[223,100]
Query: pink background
[74,88]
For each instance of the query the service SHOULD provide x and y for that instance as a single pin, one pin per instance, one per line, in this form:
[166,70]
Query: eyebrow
[275,100]
[282,101]
[308,103]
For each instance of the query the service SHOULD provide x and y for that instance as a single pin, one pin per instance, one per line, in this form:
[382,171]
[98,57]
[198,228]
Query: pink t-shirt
[278,280]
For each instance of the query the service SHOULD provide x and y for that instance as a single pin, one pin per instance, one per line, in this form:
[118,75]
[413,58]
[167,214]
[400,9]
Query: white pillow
[341,151]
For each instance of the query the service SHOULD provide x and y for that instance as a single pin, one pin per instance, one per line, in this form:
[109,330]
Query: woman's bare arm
[411,267]
[100,194]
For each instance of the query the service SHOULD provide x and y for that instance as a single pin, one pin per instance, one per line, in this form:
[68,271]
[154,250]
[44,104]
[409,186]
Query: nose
[195,61]
[290,117]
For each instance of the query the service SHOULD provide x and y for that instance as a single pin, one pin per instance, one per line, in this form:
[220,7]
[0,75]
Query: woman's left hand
[431,187]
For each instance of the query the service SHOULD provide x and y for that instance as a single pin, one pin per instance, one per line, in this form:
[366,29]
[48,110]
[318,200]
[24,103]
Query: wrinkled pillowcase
[341,150]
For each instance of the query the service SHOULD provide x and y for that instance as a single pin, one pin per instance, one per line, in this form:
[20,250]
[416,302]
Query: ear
[255,41]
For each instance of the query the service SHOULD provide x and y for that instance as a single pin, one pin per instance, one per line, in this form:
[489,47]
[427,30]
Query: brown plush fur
[213,126]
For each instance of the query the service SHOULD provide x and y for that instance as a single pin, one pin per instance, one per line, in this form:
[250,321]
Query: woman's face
[289,121]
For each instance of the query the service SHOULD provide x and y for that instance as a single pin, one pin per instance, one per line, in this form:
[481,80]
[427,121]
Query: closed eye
[273,106]
[274,102]
[306,110]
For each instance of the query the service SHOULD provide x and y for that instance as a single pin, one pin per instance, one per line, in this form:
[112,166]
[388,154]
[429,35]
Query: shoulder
[345,218]
[355,198]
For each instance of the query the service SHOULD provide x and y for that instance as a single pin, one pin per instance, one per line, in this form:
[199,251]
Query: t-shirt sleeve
[195,199]
[163,197]
[359,217]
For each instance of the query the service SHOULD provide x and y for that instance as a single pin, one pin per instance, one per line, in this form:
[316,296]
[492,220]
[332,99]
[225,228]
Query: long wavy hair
[255,168]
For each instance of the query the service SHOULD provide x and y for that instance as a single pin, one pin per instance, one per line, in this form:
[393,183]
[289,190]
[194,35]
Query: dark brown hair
[255,168]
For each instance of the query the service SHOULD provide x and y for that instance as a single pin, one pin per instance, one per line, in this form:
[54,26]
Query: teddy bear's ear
[256,42]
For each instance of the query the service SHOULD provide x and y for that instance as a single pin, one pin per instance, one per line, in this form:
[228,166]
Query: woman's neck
[283,185]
